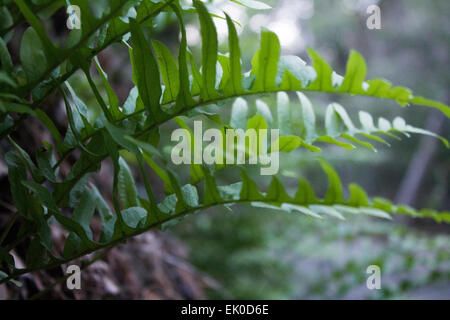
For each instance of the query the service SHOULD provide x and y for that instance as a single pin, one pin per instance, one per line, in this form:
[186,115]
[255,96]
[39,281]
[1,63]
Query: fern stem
[112,243]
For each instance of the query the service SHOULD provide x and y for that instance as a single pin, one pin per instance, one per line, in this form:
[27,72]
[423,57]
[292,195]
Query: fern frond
[304,132]
[186,200]
[166,90]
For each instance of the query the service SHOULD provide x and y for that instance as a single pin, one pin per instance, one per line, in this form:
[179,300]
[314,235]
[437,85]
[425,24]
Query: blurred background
[254,253]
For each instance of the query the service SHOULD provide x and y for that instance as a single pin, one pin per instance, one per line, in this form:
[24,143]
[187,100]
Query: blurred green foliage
[258,254]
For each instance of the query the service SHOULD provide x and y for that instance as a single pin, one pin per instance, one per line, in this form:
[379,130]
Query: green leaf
[284,114]
[84,211]
[108,220]
[112,97]
[286,144]
[262,109]
[230,192]
[16,174]
[212,194]
[35,173]
[358,196]
[197,84]
[235,83]
[399,124]
[196,170]
[169,71]
[327,210]
[257,122]
[309,118]
[45,163]
[5,57]
[32,55]
[334,193]
[323,71]
[249,189]
[153,211]
[184,97]
[305,194]
[8,80]
[328,139]
[121,137]
[77,241]
[37,26]
[147,72]
[36,254]
[77,190]
[179,198]
[344,117]
[131,103]
[17,107]
[375,212]
[6,124]
[332,122]
[265,66]
[367,121]
[357,141]
[293,207]
[160,172]
[224,78]
[76,116]
[7,258]
[209,51]
[355,74]
[190,195]
[80,237]
[127,186]
[294,74]
[431,103]
[42,116]
[43,194]
[239,112]
[148,148]
[276,192]
[134,217]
